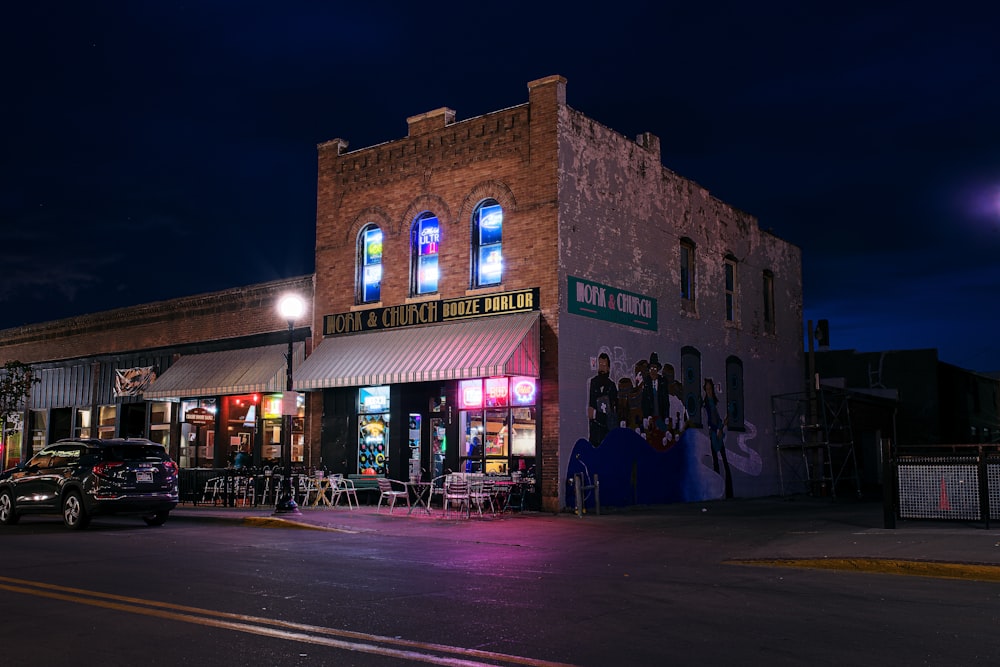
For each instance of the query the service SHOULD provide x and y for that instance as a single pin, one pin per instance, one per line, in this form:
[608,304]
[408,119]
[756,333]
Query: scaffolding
[814,440]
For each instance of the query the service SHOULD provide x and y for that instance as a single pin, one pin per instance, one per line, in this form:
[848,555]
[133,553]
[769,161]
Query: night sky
[153,150]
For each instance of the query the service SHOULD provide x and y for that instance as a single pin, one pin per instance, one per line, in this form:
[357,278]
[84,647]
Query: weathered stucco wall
[622,218]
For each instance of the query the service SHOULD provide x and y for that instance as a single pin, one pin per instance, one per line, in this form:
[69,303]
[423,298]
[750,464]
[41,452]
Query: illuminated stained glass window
[370,264]
[425,243]
[487,242]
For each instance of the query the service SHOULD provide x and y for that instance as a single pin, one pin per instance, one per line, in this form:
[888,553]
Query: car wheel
[157,519]
[73,512]
[8,516]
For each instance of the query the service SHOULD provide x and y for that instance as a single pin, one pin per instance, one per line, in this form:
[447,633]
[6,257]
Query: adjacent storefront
[228,402]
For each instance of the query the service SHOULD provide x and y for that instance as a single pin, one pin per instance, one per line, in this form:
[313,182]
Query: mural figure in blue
[716,433]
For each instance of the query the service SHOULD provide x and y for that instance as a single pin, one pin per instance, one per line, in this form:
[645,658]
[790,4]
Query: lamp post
[290,307]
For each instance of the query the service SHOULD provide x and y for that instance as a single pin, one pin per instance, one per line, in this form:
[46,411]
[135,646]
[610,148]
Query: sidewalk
[796,531]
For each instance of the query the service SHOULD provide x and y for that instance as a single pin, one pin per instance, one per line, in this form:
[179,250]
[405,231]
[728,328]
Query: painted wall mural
[645,446]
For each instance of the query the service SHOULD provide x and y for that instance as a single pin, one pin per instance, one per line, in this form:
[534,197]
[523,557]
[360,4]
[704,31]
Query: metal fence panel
[939,490]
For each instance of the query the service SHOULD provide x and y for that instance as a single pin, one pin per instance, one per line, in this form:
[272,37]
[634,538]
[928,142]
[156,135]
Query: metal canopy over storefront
[482,347]
[246,371]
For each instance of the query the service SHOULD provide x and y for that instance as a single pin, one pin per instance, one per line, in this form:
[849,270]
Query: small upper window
[687,271]
[425,239]
[768,302]
[370,264]
[487,244]
[730,289]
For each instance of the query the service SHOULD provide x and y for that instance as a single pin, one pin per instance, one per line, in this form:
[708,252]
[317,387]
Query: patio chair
[387,493]
[480,493]
[344,487]
[456,490]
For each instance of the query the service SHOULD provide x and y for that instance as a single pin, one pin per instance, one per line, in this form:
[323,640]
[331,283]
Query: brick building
[473,277]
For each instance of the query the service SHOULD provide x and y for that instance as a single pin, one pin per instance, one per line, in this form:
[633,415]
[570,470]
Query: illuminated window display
[373,430]
[497,421]
[426,243]
[370,265]
[487,255]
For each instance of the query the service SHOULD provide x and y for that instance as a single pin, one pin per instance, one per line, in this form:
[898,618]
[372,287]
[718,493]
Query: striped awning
[484,347]
[246,371]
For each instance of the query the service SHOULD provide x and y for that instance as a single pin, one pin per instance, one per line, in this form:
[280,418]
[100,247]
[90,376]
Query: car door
[32,493]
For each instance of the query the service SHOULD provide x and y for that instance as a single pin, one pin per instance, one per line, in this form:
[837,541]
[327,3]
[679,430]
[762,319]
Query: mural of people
[677,415]
[655,396]
[603,402]
[716,432]
[633,418]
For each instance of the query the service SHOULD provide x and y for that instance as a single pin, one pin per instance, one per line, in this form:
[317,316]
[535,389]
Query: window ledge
[484,290]
[366,306]
[422,298]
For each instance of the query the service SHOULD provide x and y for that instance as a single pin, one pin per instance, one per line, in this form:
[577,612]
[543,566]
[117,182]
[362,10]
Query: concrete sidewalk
[795,531]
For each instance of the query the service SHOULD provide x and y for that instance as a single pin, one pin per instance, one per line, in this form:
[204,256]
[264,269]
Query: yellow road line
[288,630]
[916,568]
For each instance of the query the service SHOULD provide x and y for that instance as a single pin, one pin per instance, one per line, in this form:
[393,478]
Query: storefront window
[107,421]
[81,428]
[497,424]
[197,445]
[159,422]
[239,414]
[373,430]
[10,442]
[39,430]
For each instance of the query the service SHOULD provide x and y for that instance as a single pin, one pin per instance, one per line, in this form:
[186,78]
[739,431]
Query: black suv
[79,478]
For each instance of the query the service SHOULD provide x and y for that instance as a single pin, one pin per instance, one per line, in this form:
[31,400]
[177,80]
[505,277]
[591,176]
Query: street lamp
[290,307]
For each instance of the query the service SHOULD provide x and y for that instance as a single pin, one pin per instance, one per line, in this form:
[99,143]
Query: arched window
[691,380]
[734,393]
[425,240]
[369,264]
[487,244]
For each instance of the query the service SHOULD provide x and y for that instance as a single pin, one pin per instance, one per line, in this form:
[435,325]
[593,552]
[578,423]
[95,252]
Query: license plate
[144,476]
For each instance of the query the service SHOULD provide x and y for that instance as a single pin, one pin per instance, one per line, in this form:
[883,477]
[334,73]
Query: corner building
[472,277]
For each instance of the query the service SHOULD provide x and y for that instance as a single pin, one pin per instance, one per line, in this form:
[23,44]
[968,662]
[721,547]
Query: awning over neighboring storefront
[483,347]
[246,371]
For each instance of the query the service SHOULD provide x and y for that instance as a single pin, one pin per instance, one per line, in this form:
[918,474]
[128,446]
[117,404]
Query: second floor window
[687,270]
[730,289]
[487,244]
[425,240]
[370,265]
[768,302]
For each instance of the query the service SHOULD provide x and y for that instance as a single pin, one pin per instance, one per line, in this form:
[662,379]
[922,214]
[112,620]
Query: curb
[914,568]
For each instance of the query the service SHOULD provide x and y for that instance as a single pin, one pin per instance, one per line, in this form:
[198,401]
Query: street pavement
[796,531]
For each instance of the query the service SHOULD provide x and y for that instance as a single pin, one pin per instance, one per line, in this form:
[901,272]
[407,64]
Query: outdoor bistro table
[322,485]
[422,494]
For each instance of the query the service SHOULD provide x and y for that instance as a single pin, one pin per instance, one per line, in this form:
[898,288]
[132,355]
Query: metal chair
[456,490]
[344,487]
[480,493]
[386,492]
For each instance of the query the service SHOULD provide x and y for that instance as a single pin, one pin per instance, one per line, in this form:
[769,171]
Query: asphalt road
[560,591]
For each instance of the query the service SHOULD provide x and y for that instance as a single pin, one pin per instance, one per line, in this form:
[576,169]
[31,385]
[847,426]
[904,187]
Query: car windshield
[134,453]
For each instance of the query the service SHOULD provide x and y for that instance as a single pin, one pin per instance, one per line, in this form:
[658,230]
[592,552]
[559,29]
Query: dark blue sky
[163,149]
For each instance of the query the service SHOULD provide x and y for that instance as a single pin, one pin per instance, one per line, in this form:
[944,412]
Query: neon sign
[496,392]
[523,390]
[470,394]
